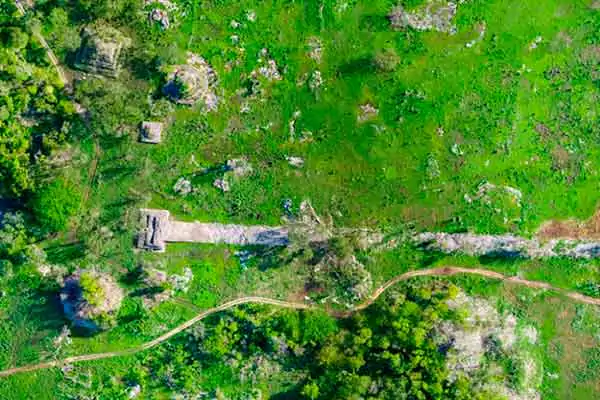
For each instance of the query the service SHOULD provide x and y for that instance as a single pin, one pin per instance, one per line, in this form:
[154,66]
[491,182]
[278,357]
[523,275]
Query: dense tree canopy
[31,103]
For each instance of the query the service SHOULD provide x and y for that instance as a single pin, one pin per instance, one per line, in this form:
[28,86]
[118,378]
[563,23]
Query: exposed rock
[251,15]
[315,49]
[297,162]
[181,283]
[534,44]
[315,81]
[367,112]
[151,132]
[531,334]
[270,71]
[100,50]
[160,16]
[134,391]
[437,15]
[90,298]
[222,184]
[239,167]
[183,187]
[485,331]
[481,28]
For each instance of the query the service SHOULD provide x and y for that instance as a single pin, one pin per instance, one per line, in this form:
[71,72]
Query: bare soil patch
[571,229]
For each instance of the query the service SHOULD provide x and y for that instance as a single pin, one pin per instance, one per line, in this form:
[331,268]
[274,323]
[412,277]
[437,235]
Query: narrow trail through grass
[442,271]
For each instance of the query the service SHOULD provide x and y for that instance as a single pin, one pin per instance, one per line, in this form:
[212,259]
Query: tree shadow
[291,394]
[65,253]
[47,310]
[361,65]
[374,23]
[142,68]
[501,255]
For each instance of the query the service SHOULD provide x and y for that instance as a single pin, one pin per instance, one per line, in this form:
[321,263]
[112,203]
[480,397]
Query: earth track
[432,272]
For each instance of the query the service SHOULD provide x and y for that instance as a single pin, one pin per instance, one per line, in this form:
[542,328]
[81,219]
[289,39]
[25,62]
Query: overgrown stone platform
[158,229]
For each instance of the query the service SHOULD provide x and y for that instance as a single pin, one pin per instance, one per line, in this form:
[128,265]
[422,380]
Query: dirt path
[442,271]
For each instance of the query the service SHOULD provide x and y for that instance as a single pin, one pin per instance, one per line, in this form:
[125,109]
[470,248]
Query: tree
[311,391]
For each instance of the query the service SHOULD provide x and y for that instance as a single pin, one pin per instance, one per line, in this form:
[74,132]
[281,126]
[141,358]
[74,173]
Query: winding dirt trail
[442,271]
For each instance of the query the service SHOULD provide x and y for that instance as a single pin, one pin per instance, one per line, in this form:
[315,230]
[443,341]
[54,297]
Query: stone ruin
[506,246]
[158,229]
[191,83]
[86,313]
[100,50]
[151,132]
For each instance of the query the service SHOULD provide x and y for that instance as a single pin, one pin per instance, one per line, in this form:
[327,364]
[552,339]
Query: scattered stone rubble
[535,43]
[315,49]
[297,162]
[160,16]
[436,15]
[183,187]
[315,81]
[267,67]
[482,29]
[234,170]
[239,167]
[367,112]
[222,184]
[181,283]
[486,189]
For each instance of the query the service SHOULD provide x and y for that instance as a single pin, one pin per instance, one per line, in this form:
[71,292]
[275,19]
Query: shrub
[92,291]
[55,204]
